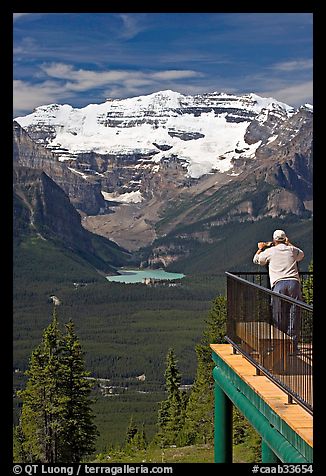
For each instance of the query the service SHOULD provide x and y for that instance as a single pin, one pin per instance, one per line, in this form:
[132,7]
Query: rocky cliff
[84,195]
[42,208]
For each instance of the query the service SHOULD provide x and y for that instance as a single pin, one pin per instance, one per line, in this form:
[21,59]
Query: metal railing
[274,332]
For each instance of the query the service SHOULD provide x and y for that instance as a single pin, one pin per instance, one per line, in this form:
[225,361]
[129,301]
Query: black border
[6,190]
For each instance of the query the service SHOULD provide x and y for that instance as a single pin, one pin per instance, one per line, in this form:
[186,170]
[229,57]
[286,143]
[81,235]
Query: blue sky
[82,58]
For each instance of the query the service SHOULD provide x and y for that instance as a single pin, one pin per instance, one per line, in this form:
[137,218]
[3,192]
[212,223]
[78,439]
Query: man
[281,258]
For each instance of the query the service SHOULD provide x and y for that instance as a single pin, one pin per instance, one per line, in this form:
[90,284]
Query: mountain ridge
[145,124]
[172,160]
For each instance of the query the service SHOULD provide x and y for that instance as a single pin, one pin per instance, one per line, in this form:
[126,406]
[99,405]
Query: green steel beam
[267,454]
[279,445]
[223,427]
[272,417]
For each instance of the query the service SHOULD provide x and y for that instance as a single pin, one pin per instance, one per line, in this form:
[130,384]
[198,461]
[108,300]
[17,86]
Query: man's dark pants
[286,316]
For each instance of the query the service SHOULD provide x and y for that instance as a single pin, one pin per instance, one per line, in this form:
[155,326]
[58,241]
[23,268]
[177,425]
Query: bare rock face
[50,211]
[163,256]
[266,124]
[41,208]
[84,195]
[281,202]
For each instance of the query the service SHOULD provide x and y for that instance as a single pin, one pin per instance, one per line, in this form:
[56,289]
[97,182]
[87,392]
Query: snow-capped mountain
[204,131]
[141,166]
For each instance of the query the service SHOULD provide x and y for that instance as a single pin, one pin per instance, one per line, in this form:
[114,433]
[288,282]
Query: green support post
[267,454]
[222,427]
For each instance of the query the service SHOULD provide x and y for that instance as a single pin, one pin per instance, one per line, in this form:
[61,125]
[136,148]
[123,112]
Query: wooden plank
[293,414]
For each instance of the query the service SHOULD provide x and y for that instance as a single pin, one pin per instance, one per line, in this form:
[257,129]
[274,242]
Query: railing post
[222,427]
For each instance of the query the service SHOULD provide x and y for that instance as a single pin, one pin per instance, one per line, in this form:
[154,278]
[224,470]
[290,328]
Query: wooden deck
[293,414]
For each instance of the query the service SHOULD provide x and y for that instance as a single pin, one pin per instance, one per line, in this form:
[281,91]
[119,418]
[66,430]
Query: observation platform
[286,428]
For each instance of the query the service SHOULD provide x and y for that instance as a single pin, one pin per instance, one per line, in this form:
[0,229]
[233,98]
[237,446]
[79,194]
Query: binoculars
[262,245]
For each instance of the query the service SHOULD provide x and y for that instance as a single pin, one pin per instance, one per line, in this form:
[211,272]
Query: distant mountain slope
[228,247]
[42,210]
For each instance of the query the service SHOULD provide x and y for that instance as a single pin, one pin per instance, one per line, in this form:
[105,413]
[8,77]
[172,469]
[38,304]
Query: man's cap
[279,235]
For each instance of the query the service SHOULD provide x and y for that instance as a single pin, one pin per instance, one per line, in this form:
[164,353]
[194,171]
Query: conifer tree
[79,431]
[140,438]
[308,286]
[135,438]
[199,427]
[56,420]
[18,441]
[131,431]
[42,408]
[172,410]
[308,296]
[199,420]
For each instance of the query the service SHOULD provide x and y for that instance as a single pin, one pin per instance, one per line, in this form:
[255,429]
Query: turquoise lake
[129,276]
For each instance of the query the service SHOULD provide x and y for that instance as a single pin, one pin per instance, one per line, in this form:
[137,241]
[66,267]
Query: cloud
[27,96]
[82,79]
[294,95]
[294,65]
[132,25]
[176,74]
[63,81]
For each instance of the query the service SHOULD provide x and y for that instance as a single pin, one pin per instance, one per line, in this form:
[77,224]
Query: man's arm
[261,257]
[300,253]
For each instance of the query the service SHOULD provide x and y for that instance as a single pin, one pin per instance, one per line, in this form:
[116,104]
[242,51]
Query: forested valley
[126,333]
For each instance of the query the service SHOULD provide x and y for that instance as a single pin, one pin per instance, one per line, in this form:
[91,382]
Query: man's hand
[261,245]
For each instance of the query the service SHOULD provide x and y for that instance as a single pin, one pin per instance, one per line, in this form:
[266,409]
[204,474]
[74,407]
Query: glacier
[206,132]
